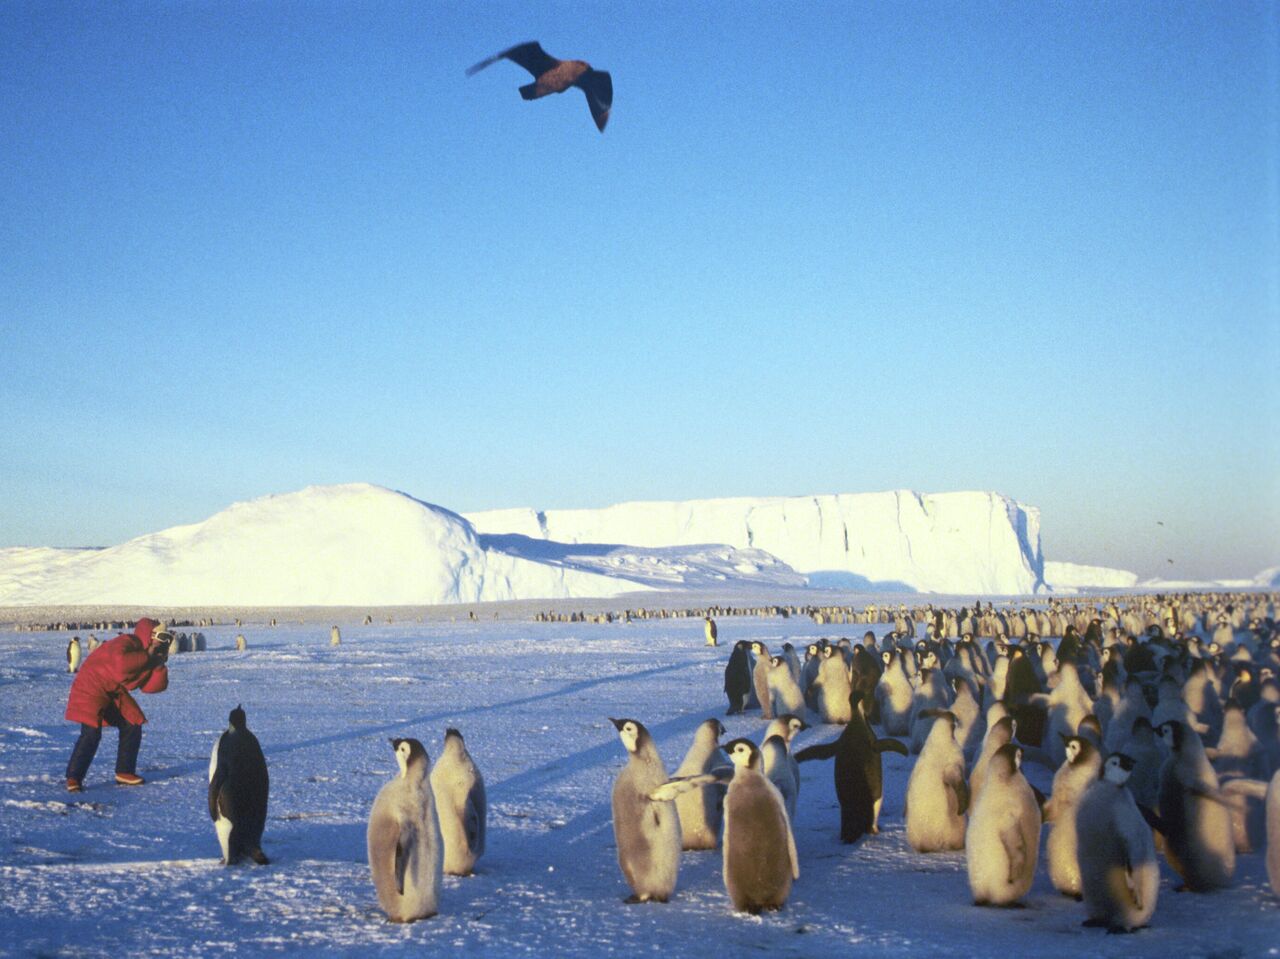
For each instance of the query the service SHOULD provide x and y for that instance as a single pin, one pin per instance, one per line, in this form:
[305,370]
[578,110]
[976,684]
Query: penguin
[783,688]
[94,642]
[241,645]
[700,812]
[1067,704]
[970,725]
[647,832]
[1002,842]
[760,678]
[786,727]
[404,839]
[760,858]
[737,678]
[1119,875]
[1238,753]
[833,687]
[777,769]
[1021,689]
[931,696]
[1194,817]
[335,636]
[793,661]
[937,795]
[238,786]
[809,674]
[1079,770]
[859,776]
[709,628]
[999,733]
[73,654]
[1273,833]
[458,790]
[894,693]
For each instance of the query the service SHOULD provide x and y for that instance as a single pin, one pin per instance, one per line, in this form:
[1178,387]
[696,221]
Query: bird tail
[530,91]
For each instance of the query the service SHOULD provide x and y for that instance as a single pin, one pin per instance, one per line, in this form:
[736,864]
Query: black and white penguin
[1002,842]
[1194,817]
[737,678]
[458,789]
[1119,875]
[709,629]
[859,776]
[760,858]
[405,848]
[647,832]
[335,636]
[700,812]
[937,794]
[74,654]
[238,786]
[1079,770]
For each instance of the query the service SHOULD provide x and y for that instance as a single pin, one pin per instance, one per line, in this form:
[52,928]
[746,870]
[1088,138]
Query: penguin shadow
[330,841]
[452,714]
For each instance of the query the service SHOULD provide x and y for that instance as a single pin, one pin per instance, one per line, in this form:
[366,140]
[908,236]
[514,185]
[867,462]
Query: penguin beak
[617,723]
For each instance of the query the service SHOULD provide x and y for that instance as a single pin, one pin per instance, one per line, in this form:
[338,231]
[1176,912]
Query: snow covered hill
[1073,577]
[968,542]
[354,544]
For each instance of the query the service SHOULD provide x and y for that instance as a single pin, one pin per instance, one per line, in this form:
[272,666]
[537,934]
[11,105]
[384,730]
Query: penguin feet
[258,856]
[1094,923]
[633,899]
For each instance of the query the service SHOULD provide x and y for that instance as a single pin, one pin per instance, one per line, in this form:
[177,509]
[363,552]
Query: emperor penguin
[932,696]
[777,769]
[647,831]
[1068,703]
[458,789]
[404,839]
[712,634]
[787,727]
[335,636]
[1119,875]
[999,733]
[1194,817]
[760,678]
[937,794]
[859,774]
[241,645]
[737,678]
[760,858]
[1079,770]
[94,642]
[833,686]
[784,691]
[73,654]
[1273,833]
[700,811]
[970,724]
[238,785]
[1238,753]
[1002,842]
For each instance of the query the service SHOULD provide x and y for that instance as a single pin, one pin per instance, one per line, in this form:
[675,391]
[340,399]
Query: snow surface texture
[351,545]
[82,875]
[940,543]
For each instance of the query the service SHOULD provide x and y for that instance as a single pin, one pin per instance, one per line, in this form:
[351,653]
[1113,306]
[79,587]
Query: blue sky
[820,248]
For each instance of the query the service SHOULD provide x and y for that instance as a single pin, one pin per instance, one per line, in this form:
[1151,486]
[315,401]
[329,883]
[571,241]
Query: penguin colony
[1160,719]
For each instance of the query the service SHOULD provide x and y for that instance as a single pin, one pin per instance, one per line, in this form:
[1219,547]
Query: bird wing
[217,776]
[529,55]
[598,86]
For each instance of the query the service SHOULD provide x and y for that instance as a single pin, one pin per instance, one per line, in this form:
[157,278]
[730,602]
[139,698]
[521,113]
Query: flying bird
[555,76]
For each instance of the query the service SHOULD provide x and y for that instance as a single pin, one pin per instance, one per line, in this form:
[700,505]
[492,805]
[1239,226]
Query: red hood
[144,629]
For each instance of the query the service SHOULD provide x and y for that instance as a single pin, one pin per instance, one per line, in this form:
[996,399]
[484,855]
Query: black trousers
[87,745]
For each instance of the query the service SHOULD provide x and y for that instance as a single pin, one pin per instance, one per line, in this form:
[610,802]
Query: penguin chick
[760,858]
[1194,818]
[1119,875]
[404,839]
[700,812]
[777,769]
[458,789]
[647,832]
[784,691]
[937,795]
[238,786]
[1002,842]
[1079,770]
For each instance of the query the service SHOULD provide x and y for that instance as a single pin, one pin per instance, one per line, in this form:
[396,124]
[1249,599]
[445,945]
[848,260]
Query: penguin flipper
[401,861]
[1015,850]
[960,789]
[1153,819]
[217,777]
[891,746]
[679,786]
[820,751]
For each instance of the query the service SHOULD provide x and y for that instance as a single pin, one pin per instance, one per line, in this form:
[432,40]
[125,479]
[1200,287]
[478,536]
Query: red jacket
[110,671]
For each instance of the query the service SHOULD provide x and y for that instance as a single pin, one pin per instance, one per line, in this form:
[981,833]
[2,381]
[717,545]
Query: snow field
[83,874]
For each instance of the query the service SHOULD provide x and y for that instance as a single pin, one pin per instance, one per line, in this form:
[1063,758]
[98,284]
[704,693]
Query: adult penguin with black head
[1021,691]
[859,776]
[737,678]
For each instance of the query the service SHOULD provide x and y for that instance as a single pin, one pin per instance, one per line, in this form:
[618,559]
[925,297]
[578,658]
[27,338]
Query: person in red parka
[100,697]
